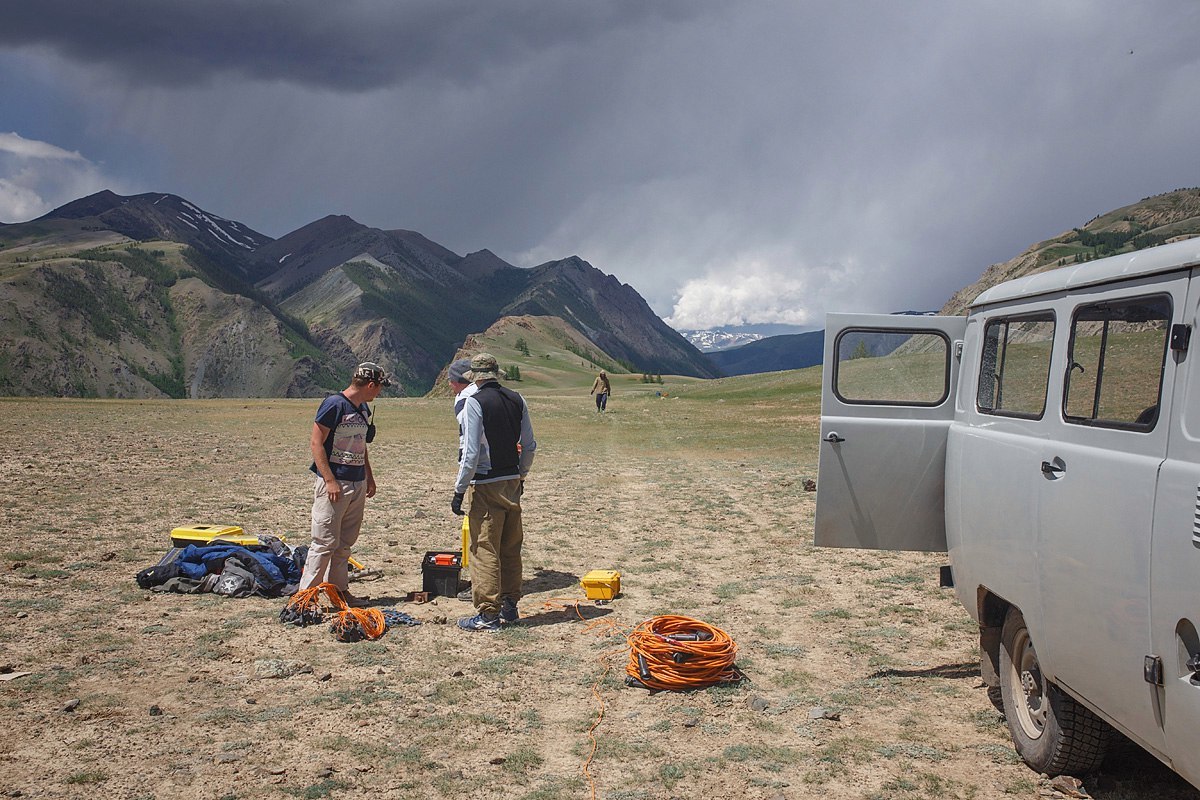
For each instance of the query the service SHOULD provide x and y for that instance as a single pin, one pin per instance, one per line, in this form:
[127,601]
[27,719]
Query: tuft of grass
[522,761]
[832,613]
[87,777]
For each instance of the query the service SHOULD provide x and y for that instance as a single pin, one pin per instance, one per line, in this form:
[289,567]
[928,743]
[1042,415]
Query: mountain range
[151,295]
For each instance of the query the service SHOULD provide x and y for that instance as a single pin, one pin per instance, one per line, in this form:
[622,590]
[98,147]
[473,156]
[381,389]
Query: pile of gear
[312,606]
[271,569]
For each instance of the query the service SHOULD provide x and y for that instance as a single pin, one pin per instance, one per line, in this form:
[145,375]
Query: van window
[892,367]
[1115,363]
[1014,367]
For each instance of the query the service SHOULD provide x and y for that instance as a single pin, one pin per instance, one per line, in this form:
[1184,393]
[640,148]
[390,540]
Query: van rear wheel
[1052,732]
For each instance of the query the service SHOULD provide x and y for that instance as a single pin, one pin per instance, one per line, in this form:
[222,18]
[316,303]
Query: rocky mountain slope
[123,320]
[150,295]
[1152,221]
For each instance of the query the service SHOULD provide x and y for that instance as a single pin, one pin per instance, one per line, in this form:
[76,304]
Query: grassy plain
[862,675]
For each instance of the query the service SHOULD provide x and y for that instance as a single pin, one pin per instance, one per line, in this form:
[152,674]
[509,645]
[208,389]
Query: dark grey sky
[734,161]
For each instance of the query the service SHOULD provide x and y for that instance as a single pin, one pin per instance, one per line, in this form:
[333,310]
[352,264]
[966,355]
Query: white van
[1050,443]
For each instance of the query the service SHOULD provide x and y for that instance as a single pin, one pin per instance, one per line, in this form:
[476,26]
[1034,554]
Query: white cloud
[37,176]
[19,202]
[755,292]
[31,148]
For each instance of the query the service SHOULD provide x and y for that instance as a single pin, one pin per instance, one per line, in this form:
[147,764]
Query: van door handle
[833,438]
[1053,468]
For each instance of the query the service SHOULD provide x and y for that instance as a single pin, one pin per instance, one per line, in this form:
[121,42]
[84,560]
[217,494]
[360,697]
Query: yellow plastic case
[207,534]
[602,584]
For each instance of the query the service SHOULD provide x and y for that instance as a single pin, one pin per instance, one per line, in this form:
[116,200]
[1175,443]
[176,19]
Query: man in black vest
[497,452]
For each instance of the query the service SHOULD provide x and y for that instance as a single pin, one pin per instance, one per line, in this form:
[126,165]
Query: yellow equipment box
[602,584]
[201,535]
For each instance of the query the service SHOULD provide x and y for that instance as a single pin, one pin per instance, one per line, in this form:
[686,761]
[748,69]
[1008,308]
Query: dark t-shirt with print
[346,444]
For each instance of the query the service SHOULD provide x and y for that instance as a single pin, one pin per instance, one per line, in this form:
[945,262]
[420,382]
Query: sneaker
[356,602]
[480,622]
[508,611]
[465,595]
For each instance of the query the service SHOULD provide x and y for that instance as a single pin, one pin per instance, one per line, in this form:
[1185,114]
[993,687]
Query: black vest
[502,414]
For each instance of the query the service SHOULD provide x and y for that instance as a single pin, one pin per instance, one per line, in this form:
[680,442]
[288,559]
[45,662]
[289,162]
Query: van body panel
[865,447]
[991,488]
[1175,560]
[992,473]
[1094,523]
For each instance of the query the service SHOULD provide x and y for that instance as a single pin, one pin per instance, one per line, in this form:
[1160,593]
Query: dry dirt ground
[862,677]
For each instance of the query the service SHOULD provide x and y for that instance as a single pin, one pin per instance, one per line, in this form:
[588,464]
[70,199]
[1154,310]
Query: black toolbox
[439,572]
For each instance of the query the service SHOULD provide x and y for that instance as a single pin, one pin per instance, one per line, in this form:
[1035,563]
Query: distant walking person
[600,388]
[497,452]
[343,481]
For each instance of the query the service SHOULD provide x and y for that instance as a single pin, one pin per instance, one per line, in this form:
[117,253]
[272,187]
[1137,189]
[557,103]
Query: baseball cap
[370,371]
[458,370]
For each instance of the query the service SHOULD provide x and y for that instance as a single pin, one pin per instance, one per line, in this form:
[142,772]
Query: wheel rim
[1027,679]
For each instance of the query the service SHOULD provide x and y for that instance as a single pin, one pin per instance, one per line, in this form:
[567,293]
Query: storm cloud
[734,162]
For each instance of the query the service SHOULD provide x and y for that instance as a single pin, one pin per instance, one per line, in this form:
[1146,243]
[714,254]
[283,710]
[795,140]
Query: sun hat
[484,366]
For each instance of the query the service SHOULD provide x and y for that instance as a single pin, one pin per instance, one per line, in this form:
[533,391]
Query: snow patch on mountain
[710,341]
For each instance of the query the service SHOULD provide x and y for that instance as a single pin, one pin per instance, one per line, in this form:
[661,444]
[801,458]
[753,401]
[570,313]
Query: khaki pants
[494,516]
[334,531]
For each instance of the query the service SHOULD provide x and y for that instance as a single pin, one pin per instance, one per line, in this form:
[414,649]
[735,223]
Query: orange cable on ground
[370,620]
[673,652]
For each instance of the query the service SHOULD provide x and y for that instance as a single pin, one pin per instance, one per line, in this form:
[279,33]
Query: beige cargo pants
[494,517]
[335,529]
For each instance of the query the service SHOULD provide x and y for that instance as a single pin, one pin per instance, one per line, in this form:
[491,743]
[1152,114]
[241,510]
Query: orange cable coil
[669,662]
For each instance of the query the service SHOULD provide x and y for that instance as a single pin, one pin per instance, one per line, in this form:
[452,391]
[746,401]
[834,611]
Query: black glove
[456,503]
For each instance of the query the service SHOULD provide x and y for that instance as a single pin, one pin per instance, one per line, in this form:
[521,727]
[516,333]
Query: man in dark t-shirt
[343,483]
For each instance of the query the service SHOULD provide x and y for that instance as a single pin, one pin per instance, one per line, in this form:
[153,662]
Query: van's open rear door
[887,401]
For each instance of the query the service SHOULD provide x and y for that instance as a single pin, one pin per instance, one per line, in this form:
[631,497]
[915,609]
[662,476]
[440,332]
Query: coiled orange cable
[674,652]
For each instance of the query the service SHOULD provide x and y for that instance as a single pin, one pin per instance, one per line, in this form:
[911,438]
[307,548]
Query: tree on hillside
[523,346]
[513,373]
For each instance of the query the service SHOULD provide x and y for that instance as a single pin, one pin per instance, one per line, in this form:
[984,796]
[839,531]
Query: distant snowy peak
[711,341]
[224,230]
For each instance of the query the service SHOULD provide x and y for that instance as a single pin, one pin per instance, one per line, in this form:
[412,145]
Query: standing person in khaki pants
[343,483]
[497,452]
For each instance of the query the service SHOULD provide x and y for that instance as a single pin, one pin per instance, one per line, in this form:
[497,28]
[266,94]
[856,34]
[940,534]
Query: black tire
[1053,733]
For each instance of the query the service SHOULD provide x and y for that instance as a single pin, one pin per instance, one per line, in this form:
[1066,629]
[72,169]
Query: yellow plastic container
[201,535]
[602,584]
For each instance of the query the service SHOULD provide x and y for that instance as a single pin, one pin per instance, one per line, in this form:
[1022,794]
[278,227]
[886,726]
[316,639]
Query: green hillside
[84,316]
[551,357]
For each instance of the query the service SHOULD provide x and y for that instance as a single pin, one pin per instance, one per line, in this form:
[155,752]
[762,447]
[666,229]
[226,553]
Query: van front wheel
[1052,732]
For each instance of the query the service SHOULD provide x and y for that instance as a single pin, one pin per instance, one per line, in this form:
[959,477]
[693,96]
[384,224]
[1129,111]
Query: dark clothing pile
[226,569]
